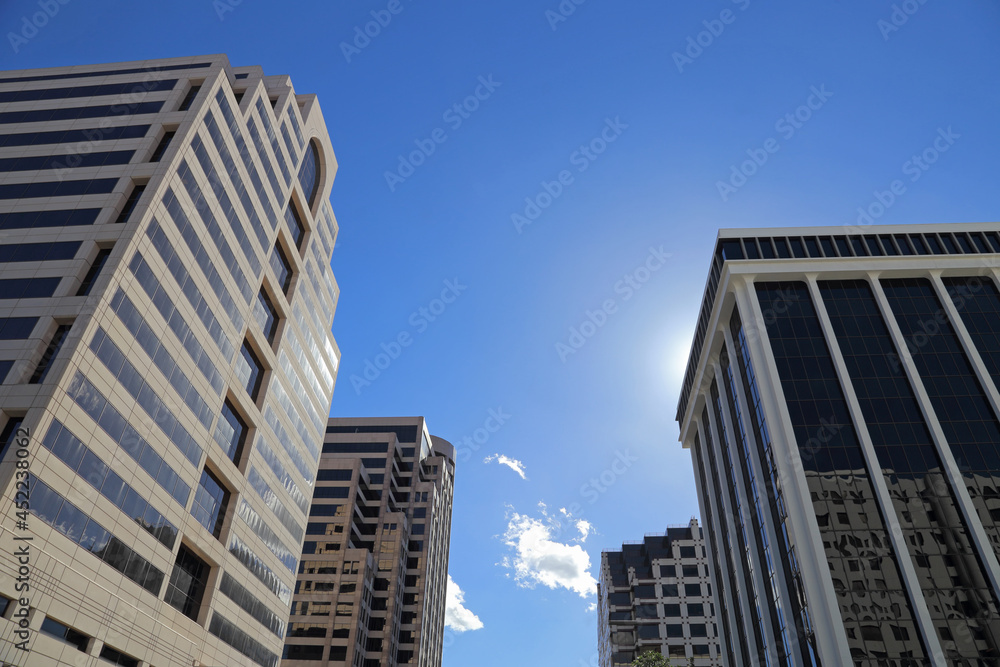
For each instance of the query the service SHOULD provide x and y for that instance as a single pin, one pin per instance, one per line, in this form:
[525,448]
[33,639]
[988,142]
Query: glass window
[72,113]
[266,316]
[675,630]
[295,225]
[230,432]
[50,353]
[187,583]
[133,199]
[161,147]
[669,590]
[690,570]
[93,272]
[309,173]
[281,267]
[116,657]
[696,610]
[249,370]
[189,98]
[38,252]
[692,589]
[16,328]
[210,503]
[9,434]
[75,638]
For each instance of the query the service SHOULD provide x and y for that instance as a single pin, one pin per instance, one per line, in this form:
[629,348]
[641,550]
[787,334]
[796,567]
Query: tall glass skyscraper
[841,405]
[166,362]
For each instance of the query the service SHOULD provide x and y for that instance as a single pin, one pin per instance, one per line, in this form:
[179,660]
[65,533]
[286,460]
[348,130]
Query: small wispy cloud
[538,558]
[456,616]
[513,464]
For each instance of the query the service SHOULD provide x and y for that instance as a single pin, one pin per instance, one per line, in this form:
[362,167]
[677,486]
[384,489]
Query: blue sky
[624,131]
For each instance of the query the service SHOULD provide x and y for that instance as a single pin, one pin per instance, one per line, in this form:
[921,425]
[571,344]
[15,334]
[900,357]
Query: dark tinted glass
[187,583]
[130,203]
[50,353]
[72,113]
[210,503]
[85,91]
[863,565]
[914,474]
[27,288]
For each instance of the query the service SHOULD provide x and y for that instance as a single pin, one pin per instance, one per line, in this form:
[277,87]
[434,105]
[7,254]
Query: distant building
[166,358]
[841,405]
[657,595]
[374,571]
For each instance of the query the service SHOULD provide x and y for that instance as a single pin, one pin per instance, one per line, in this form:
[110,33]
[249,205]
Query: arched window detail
[309,173]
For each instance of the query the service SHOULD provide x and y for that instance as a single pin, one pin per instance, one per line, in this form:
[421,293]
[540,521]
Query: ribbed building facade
[372,583]
[656,595]
[166,362]
[842,410]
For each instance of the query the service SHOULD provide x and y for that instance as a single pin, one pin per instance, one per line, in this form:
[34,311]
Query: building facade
[372,583]
[166,362]
[841,406]
[656,595]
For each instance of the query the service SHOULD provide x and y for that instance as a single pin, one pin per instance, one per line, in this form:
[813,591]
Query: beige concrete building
[373,579]
[166,362]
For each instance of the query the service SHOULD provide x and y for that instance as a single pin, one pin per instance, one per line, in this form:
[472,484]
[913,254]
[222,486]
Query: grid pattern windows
[961,605]
[69,136]
[773,600]
[65,517]
[188,581]
[80,459]
[211,499]
[65,161]
[175,266]
[161,300]
[749,584]
[779,515]
[115,425]
[203,259]
[865,573]
[39,94]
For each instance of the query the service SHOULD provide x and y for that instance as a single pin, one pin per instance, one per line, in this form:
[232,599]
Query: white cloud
[538,558]
[456,616]
[513,464]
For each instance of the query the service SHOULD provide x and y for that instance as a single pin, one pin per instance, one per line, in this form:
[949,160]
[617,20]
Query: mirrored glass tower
[841,406]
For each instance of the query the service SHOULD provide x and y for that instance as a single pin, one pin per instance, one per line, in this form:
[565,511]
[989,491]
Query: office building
[841,408]
[656,595]
[374,572]
[165,351]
